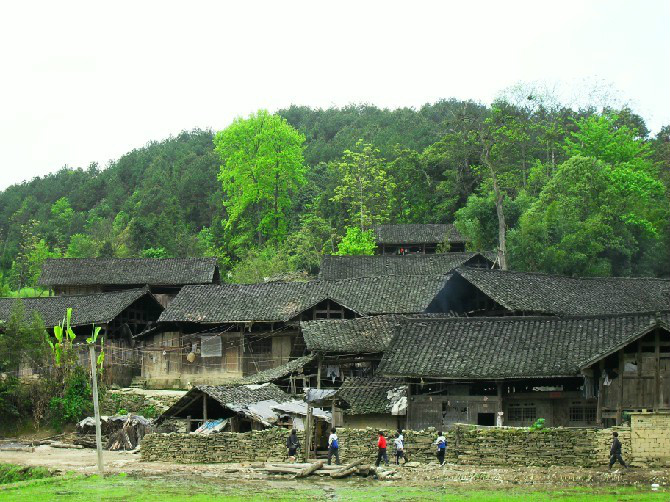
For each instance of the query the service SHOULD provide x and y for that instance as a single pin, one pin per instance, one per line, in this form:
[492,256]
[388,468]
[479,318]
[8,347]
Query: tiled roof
[367,394]
[235,396]
[128,271]
[283,301]
[361,335]
[550,294]
[345,267]
[510,347]
[95,308]
[416,234]
[272,374]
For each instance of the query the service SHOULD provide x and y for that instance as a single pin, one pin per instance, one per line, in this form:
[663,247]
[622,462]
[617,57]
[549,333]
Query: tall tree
[365,189]
[262,168]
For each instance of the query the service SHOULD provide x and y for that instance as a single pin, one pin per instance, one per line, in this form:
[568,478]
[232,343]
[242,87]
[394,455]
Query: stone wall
[255,446]
[466,445]
[585,447]
[651,438]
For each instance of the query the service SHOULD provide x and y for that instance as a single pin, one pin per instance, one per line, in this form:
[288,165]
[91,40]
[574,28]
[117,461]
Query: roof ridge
[539,317]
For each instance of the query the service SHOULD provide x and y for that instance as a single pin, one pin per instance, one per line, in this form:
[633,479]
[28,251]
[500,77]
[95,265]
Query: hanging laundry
[333,372]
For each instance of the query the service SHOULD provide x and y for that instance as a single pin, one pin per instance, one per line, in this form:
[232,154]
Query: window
[454,412]
[522,412]
[582,413]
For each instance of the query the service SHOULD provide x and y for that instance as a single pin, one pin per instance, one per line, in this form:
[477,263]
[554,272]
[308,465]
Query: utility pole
[96,409]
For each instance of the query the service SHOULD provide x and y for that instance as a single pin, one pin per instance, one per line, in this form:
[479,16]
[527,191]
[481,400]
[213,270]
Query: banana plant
[64,334]
[92,340]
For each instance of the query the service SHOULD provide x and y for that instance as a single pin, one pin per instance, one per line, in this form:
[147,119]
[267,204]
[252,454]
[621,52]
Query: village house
[405,239]
[570,371]
[486,292]
[216,334]
[121,314]
[347,267]
[164,276]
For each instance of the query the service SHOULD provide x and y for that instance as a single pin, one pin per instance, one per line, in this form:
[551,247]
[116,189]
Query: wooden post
[308,432]
[204,407]
[318,373]
[499,408]
[96,409]
[619,406]
[599,406]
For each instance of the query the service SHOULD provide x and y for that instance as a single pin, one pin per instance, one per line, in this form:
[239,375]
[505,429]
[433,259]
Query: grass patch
[121,488]
[11,473]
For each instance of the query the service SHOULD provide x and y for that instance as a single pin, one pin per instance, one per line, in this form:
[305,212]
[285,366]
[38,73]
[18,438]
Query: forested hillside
[579,192]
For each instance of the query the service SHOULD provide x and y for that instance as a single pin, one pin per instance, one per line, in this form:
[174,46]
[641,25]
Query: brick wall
[466,445]
[651,438]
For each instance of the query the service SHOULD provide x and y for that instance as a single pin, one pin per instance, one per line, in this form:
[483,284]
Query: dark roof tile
[128,271]
[366,395]
[551,294]
[416,234]
[283,301]
[509,347]
[96,308]
[346,267]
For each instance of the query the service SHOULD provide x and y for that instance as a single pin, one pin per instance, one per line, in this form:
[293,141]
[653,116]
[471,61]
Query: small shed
[242,407]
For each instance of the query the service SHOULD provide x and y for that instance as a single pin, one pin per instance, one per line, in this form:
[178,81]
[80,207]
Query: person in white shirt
[333,446]
[399,448]
[441,443]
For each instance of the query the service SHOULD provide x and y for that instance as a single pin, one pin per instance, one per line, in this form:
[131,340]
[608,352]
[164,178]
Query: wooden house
[570,371]
[121,314]
[486,292]
[348,267]
[213,334]
[405,239]
[164,276]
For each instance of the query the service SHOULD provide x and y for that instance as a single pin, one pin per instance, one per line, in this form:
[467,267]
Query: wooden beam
[599,406]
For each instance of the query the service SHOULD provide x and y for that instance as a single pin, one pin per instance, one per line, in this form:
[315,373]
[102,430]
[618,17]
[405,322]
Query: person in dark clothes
[381,450]
[333,446]
[615,451]
[292,444]
[441,443]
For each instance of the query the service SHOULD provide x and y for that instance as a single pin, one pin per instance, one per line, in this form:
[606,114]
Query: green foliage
[592,218]
[11,473]
[81,246]
[364,190]
[357,242]
[9,404]
[75,402]
[166,195]
[537,425]
[158,252]
[263,167]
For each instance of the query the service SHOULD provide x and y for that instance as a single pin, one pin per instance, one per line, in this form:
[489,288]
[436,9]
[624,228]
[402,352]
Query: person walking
[441,443]
[399,448]
[381,450]
[333,447]
[292,444]
[615,451]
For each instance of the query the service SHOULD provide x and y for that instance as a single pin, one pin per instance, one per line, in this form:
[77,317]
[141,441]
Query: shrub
[76,401]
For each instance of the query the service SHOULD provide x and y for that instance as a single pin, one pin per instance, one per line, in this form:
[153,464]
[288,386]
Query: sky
[88,81]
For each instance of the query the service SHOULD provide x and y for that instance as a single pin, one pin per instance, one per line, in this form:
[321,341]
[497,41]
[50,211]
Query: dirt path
[84,460]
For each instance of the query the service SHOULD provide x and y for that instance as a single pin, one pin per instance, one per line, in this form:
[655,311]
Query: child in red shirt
[381,452]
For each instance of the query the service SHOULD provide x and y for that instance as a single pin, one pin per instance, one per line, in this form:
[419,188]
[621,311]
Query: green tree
[62,216]
[592,219]
[357,242]
[365,189]
[262,168]
[81,246]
